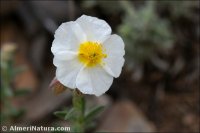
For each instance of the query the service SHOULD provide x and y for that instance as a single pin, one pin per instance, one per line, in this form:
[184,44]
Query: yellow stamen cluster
[91,53]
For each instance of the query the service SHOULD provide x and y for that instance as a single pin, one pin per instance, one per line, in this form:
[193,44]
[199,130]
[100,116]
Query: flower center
[91,53]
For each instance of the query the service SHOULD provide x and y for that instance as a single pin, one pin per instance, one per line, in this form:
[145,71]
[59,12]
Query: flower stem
[79,108]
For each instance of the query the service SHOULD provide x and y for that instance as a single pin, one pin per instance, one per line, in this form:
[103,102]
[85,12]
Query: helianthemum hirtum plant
[87,57]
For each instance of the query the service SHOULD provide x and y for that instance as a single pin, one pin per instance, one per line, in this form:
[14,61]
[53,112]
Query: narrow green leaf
[60,114]
[93,113]
[70,114]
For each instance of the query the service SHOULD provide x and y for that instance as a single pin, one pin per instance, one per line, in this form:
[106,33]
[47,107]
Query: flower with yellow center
[86,55]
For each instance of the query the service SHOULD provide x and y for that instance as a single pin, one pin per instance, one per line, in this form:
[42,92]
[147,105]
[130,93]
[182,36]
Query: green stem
[79,107]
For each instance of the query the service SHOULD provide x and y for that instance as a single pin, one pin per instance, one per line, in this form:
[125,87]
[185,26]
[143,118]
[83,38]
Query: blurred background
[158,89]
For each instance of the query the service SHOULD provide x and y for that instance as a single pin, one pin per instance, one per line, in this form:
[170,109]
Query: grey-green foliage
[187,9]
[144,33]
[178,8]
[8,73]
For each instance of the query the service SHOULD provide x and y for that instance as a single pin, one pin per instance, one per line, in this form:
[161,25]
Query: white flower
[86,55]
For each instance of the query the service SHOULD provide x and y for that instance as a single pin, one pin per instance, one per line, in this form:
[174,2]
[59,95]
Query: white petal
[68,37]
[65,55]
[93,81]
[96,29]
[114,47]
[67,71]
